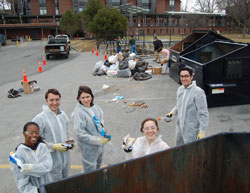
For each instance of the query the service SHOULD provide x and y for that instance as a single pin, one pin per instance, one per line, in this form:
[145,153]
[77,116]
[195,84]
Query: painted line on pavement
[73,167]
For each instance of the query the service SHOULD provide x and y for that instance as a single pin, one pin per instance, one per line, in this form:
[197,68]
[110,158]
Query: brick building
[40,18]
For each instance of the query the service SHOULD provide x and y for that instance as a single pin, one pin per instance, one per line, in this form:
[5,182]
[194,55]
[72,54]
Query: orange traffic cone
[40,67]
[25,79]
[44,61]
[97,52]
[92,50]
[105,56]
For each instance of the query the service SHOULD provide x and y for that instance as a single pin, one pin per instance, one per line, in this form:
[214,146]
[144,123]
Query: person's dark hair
[149,119]
[25,127]
[85,89]
[160,49]
[52,91]
[190,71]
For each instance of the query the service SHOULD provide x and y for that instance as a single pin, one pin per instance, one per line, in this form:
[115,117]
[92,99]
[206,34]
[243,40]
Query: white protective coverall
[54,129]
[89,139]
[141,147]
[191,108]
[40,164]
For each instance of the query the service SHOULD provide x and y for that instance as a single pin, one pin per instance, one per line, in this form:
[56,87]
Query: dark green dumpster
[217,164]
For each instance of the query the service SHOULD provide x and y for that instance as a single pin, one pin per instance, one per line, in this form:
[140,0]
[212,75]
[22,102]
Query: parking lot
[159,93]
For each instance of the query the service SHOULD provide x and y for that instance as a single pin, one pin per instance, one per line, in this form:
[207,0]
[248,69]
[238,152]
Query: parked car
[64,36]
[56,46]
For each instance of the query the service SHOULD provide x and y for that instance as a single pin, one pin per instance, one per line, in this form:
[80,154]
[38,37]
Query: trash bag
[132,56]
[125,55]
[123,64]
[142,76]
[107,63]
[141,65]
[12,93]
[124,73]
[98,70]
[131,64]
[113,59]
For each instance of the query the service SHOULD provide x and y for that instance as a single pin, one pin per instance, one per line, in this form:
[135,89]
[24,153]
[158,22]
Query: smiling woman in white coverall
[151,142]
[89,139]
[33,161]
[191,109]
[53,123]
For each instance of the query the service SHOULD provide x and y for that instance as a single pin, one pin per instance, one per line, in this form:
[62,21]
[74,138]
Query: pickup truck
[56,46]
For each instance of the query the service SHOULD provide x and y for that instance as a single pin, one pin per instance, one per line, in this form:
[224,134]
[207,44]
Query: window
[57,10]
[171,5]
[43,9]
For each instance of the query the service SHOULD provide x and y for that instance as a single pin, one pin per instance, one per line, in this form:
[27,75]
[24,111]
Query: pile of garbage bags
[123,66]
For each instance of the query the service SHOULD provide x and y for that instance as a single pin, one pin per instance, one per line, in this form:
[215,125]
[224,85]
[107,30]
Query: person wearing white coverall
[36,161]
[89,139]
[53,125]
[151,142]
[191,109]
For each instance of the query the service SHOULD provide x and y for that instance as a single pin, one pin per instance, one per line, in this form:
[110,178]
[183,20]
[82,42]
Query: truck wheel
[47,57]
[66,56]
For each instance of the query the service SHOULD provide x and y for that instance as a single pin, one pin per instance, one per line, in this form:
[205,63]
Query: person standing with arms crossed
[53,125]
[191,109]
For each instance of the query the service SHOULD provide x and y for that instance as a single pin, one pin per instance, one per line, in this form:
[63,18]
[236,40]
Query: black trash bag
[107,63]
[141,66]
[123,64]
[142,76]
[125,55]
[99,72]
[12,93]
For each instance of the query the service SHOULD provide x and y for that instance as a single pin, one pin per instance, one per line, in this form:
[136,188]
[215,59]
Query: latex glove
[105,140]
[128,143]
[201,135]
[59,147]
[169,115]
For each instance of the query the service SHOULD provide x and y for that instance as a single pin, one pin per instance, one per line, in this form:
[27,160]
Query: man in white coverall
[53,125]
[191,109]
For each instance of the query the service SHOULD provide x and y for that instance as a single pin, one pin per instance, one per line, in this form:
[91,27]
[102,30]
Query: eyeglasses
[31,133]
[184,76]
[148,128]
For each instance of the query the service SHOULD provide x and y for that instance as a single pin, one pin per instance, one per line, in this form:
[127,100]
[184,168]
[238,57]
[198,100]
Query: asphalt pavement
[158,93]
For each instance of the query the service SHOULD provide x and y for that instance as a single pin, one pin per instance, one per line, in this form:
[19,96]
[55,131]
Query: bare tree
[207,6]
[238,11]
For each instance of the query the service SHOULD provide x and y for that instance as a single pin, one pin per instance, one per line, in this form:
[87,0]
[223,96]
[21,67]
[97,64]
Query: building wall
[64,5]
[34,6]
[50,7]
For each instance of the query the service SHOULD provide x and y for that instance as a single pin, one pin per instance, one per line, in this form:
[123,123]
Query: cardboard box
[120,57]
[30,87]
[26,88]
[157,70]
